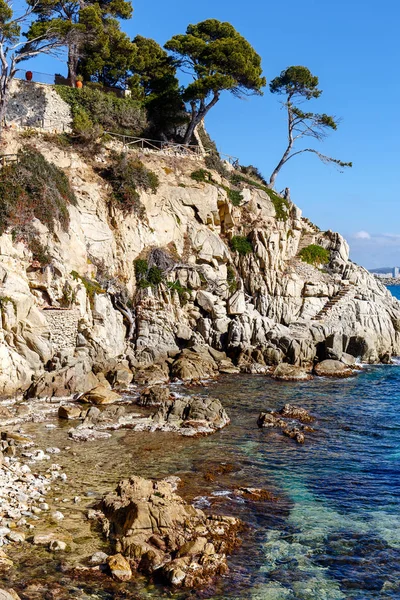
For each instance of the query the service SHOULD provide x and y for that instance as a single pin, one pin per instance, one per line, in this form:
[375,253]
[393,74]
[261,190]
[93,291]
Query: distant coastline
[388,280]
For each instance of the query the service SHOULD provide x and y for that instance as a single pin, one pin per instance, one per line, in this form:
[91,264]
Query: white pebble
[57,516]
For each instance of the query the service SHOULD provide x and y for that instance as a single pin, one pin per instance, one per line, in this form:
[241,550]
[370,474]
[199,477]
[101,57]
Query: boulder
[237,303]
[192,415]
[152,374]
[332,368]
[99,396]
[286,372]
[121,377]
[8,595]
[119,567]
[69,411]
[289,411]
[154,396]
[75,378]
[194,366]
[158,532]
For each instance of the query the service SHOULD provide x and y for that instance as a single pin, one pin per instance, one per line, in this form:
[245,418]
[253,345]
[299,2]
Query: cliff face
[261,308]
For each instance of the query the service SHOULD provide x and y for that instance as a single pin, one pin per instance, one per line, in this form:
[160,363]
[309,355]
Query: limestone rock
[156,531]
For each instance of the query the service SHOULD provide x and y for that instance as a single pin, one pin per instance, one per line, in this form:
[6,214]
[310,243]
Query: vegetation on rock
[96,111]
[33,188]
[314,255]
[128,176]
[241,244]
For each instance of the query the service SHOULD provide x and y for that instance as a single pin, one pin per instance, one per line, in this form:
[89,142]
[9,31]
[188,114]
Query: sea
[330,529]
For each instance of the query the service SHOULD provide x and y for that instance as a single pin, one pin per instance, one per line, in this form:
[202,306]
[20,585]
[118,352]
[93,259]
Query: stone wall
[37,105]
[63,325]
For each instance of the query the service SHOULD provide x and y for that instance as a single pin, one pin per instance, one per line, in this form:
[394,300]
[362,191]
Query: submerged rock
[159,533]
[291,419]
[289,411]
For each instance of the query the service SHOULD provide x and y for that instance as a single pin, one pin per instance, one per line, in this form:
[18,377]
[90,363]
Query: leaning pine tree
[299,84]
[219,59]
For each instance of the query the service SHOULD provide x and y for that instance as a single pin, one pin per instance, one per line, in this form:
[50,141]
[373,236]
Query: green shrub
[231,279]
[252,171]
[127,176]
[141,268]
[39,252]
[180,289]
[202,176]
[33,188]
[214,163]
[241,244]
[92,287]
[155,276]
[235,197]
[281,205]
[120,115]
[315,255]
[147,276]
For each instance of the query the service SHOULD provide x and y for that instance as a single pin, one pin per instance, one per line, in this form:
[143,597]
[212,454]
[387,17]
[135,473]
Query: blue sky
[352,45]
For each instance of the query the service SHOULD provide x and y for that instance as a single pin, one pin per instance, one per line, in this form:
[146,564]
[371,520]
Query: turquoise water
[394,290]
[333,532]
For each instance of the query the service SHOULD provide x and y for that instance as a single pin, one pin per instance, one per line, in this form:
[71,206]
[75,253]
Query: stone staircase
[333,302]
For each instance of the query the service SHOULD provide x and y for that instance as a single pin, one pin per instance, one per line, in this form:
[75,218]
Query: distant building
[396,272]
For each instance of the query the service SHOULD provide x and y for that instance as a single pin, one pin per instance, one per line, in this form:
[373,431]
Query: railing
[145,144]
[6,159]
[233,160]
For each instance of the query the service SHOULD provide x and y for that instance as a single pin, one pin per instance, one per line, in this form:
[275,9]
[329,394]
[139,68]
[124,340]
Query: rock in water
[289,411]
[119,567]
[332,368]
[286,372]
[100,395]
[191,415]
[154,396]
[69,411]
[158,532]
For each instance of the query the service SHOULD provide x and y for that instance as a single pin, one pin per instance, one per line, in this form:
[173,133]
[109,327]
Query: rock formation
[155,532]
[214,311]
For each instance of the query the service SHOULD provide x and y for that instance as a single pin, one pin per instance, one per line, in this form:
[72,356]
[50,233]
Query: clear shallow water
[334,531]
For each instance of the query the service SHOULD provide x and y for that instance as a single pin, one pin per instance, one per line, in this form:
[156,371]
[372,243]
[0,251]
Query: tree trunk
[73,57]
[279,166]
[197,116]
[4,91]
[285,156]
[190,130]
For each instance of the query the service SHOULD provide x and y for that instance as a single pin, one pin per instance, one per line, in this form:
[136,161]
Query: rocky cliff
[63,322]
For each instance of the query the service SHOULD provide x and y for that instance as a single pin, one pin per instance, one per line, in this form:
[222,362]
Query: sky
[352,46]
